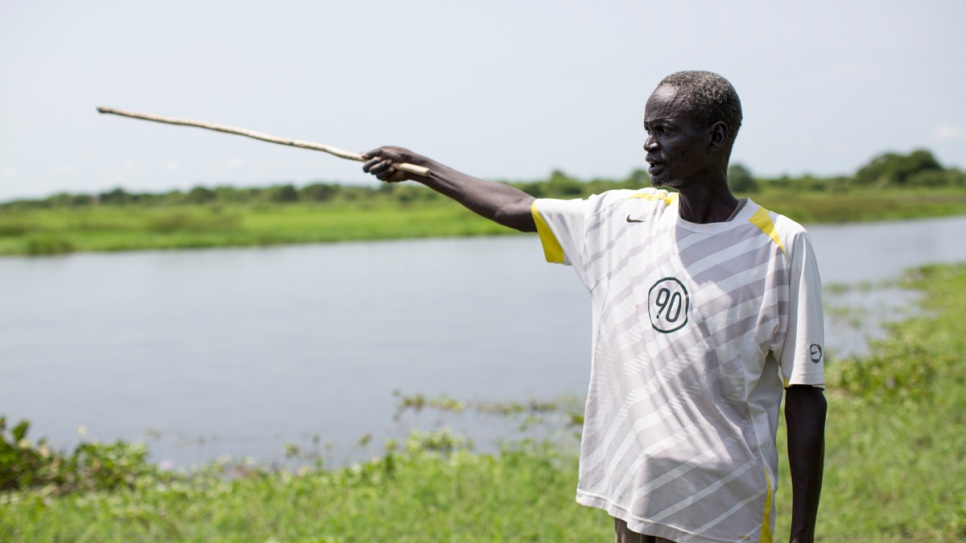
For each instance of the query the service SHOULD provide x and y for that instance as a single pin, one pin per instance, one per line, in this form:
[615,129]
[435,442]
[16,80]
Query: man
[705,307]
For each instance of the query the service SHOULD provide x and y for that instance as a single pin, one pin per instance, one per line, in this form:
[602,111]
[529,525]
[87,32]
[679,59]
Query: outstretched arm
[498,202]
[805,409]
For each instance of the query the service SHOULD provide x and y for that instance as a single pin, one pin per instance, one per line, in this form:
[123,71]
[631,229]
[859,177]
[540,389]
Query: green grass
[431,491]
[896,440]
[895,471]
[810,207]
[125,228]
[39,231]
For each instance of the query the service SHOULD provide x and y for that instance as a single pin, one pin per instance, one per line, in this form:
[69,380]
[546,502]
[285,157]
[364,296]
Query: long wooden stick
[410,168]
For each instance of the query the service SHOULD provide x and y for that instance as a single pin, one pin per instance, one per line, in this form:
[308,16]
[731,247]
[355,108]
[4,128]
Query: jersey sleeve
[802,358]
[560,225]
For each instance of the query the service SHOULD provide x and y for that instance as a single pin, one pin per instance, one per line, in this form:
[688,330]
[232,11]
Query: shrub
[48,245]
[91,466]
[936,178]
[14,229]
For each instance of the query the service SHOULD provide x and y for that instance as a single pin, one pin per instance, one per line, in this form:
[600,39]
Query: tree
[637,179]
[64,199]
[318,192]
[282,193]
[740,179]
[200,195]
[894,169]
[560,185]
[117,196]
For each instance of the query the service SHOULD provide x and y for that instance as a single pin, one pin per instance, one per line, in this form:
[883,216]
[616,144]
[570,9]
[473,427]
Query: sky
[507,90]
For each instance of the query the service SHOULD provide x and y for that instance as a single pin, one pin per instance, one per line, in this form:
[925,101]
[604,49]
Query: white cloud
[172,166]
[62,170]
[949,132]
[9,171]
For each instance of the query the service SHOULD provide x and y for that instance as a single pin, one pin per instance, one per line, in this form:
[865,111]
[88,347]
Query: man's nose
[650,144]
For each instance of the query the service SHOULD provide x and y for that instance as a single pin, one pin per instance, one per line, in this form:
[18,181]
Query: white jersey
[697,328]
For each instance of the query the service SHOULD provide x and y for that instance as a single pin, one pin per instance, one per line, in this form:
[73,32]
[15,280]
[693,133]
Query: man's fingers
[382,168]
[378,152]
[376,164]
[380,163]
[385,170]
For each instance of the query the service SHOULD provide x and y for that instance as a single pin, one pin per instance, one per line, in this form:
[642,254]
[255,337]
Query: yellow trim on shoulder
[668,197]
[762,220]
[552,250]
[766,536]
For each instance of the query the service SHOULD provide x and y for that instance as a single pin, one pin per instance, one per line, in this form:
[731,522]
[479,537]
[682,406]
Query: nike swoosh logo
[629,219]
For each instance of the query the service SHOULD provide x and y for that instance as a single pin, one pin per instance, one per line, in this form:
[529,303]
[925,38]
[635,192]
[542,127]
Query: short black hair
[708,98]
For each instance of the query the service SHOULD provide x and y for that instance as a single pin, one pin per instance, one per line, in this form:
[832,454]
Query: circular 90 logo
[667,305]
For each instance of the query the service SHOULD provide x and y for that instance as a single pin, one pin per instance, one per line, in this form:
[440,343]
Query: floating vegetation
[571,408]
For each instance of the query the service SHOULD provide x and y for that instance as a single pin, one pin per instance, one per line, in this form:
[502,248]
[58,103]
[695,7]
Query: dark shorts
[623,535]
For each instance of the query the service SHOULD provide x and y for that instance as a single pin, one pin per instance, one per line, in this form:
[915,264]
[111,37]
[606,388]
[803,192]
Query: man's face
[677,148]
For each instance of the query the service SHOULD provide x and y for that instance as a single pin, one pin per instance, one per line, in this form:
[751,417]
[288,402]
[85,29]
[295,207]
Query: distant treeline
[916,169]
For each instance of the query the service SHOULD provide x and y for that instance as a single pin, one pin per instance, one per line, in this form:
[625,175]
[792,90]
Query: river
[204,353]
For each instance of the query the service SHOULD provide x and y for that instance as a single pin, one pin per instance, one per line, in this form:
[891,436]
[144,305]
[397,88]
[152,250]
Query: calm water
[205,353]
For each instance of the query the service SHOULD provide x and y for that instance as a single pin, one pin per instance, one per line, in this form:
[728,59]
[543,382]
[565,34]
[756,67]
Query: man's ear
[718,136]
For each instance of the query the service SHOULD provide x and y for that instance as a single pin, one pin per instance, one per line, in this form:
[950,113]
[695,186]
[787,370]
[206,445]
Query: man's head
[692,119]
[707,97]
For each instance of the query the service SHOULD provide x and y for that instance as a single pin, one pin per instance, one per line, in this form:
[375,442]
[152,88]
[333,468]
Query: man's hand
[498,202]
[805,410]
[379,162]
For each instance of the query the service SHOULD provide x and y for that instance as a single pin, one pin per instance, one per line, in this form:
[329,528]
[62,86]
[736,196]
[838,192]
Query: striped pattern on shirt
[697,328]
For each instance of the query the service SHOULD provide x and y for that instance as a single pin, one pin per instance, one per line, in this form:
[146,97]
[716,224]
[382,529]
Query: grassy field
[895,471]
[133,227]
[126,228]
[896,446]
[811,207]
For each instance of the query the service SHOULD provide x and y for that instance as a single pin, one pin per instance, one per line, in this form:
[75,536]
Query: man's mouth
[655,167]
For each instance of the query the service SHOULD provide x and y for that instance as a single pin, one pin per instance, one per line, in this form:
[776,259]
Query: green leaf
[20,430]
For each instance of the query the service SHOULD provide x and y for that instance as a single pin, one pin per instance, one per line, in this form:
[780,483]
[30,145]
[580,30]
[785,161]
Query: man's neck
[704,204]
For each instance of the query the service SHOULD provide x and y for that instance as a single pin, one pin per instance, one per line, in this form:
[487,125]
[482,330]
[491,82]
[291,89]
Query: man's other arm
[805,409]
[498,202]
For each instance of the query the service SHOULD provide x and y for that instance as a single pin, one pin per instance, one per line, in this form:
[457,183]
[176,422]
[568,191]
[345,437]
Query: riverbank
[894,471]
[894,467]
[93,228]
